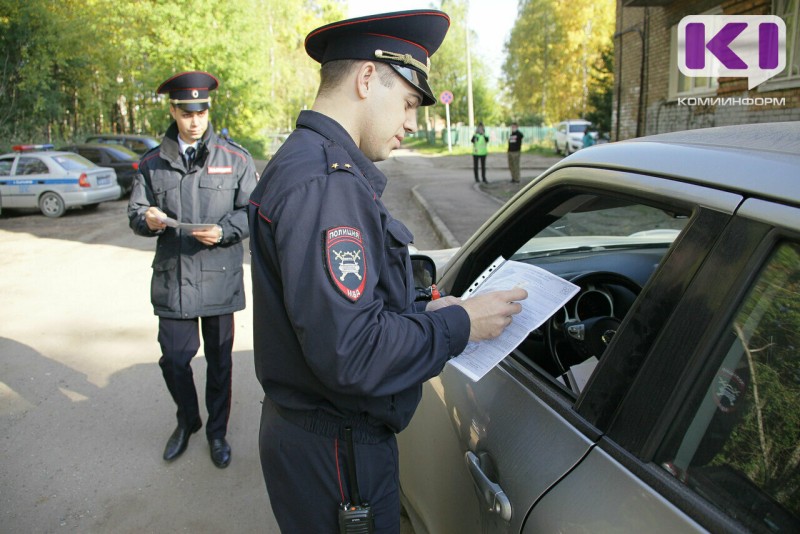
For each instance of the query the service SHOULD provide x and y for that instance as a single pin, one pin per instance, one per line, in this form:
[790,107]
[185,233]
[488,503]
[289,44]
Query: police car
[35,176]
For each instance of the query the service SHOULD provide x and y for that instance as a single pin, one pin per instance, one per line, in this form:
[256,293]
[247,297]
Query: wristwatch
[219,240]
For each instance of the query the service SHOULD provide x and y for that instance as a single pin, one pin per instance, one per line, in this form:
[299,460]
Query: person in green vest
[480,147]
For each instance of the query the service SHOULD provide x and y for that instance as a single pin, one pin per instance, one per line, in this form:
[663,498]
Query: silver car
[664,396]
[35,177]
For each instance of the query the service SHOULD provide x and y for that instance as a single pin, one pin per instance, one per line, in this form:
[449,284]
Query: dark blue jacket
[336,337]
[191,279]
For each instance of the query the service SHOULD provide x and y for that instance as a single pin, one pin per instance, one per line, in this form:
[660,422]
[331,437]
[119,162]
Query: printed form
[547,293]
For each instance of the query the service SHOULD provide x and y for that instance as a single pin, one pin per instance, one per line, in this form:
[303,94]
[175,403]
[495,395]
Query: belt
[332,426]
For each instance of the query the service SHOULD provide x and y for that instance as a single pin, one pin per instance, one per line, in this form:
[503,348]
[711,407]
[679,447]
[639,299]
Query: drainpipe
[635,28]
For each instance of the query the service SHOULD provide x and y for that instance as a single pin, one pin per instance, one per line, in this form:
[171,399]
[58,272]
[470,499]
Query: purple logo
[752,46]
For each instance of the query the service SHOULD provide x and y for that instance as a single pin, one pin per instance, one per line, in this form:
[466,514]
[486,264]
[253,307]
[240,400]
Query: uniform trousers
[476,160]
[179,342]
[307,476]
[513,165]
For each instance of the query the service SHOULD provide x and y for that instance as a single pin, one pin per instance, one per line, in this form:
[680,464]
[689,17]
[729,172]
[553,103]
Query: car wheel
[52,205]
[555,145]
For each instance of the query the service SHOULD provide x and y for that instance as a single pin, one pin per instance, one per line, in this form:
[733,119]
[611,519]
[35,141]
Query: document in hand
[547,293]
[172,223]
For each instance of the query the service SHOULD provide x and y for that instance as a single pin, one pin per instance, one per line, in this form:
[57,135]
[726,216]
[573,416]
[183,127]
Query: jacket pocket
[221,283]
[398,265]
[165,189]
[164,288]
[217,195]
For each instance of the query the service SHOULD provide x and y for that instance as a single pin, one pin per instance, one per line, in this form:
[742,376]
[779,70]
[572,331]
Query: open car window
[610,247]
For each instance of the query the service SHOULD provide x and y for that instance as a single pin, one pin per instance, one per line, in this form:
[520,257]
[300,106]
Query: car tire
[555,145]
[52,205]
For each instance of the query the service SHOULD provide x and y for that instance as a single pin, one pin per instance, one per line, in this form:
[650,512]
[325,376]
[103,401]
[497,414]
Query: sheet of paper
[547,293]
[172,223]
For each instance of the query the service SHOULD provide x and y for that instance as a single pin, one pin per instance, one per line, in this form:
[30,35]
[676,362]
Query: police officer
[195,177]
[338,341]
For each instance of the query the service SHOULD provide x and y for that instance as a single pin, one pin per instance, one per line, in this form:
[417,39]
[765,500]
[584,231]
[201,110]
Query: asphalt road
[84,413]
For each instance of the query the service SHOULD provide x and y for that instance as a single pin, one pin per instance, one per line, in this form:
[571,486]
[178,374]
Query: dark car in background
[124,161]
[663,397]
[137,143]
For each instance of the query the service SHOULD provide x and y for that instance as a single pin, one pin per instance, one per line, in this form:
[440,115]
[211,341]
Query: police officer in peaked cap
[191,193]
[341,349]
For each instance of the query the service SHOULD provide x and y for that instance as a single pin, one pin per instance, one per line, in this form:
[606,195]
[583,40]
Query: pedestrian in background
[341,348]
[197,177]
[480,147]
[588,138]
[514,152]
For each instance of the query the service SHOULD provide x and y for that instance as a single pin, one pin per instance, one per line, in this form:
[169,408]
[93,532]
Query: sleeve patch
[345,261]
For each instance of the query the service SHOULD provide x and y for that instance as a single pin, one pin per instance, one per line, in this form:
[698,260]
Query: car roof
[755,159]
[104,146]
[40,153]
[120,136]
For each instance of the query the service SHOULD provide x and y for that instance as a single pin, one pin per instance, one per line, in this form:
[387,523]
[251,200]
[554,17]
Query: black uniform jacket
[335,330]
[191,279]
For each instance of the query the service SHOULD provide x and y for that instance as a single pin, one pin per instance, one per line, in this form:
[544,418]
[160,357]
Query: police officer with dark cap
[341,349]
[192,193]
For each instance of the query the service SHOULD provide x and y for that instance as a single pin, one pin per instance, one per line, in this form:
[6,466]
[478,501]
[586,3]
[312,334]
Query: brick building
[652,96]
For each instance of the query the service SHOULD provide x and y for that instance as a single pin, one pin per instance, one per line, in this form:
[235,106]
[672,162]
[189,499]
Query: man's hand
[208,237]
[154,218]
[490,313]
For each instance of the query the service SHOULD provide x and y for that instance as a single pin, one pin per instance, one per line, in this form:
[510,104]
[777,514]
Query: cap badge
[195,93]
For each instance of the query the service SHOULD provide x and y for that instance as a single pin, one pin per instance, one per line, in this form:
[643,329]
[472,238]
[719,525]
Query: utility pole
[470,108]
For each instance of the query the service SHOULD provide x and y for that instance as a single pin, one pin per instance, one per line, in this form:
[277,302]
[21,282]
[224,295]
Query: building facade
[652,96]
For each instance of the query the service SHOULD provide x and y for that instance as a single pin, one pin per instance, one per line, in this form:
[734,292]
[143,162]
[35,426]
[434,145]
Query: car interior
[609,247]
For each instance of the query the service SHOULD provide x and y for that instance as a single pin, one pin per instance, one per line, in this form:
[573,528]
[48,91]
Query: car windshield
[73,162]
[578,128]
[592,223]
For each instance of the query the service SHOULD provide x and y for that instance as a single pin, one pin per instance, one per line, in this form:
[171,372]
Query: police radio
[354,517]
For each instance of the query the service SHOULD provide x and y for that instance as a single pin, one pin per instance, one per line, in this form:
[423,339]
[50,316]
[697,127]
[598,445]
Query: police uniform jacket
[191,279]
[332,348]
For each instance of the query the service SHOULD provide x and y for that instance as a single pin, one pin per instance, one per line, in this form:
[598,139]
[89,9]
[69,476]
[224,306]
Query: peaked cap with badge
[189,90]
[403,39]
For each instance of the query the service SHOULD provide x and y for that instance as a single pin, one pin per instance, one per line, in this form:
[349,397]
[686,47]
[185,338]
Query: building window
[681,85]
[789,11]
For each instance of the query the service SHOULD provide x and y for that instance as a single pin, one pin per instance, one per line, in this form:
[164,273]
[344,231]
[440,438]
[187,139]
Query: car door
[709,426]
[483,454]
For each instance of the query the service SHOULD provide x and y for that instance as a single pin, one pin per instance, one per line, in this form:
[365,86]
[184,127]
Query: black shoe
[484,181]
[178,441]
[220,452]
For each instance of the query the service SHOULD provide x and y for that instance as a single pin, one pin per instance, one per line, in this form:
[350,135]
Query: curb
[442,231]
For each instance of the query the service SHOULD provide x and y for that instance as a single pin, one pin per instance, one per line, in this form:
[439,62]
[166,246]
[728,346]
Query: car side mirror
[424,270]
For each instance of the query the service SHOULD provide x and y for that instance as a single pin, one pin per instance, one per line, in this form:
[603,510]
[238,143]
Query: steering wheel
[571,340]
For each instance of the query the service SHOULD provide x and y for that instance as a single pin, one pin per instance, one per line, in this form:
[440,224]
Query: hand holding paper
[490,313]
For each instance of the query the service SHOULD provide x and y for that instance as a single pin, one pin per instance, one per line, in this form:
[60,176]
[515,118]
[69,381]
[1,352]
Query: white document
[547,293]
[172,223]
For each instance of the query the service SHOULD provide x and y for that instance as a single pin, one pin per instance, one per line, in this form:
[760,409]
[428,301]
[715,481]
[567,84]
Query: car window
[609,247]
[120,154]
[73,162]
[31,165]
[741,448]
[92,154]
[5,166]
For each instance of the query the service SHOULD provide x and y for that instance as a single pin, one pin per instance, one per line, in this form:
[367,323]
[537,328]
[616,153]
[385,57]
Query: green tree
[552,47]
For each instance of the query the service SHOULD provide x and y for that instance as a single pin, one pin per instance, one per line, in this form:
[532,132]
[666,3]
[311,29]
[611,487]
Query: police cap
[403,39]
[189,90]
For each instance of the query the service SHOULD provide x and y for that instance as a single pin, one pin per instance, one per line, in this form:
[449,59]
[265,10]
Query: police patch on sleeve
[346,261]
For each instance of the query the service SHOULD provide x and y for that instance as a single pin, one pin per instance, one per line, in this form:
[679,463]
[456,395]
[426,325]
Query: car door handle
[493,494]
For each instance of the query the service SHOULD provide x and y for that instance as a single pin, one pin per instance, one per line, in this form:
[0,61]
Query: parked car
[33,176]
[138,143]
[569,135]
[663,397]
[124,161]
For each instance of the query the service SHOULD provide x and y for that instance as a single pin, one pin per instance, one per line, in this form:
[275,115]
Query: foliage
[601,91]
[552,48]
[71,68]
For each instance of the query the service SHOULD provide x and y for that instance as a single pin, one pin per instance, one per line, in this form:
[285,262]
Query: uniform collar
[171,149]
[333,131]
